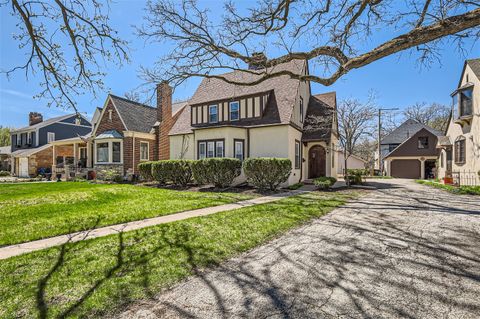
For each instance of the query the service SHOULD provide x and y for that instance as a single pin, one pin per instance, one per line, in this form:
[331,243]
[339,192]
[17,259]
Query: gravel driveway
[402,251]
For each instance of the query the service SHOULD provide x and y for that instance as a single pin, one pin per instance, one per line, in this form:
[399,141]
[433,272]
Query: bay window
[108,152]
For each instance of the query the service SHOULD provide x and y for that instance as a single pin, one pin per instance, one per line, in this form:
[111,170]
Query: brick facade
[106,124]
[164,115]
[44,159]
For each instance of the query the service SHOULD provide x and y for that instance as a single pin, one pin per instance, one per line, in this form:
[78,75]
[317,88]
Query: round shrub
[267,173]
[145,170]
[217,171]
[324,182]
[178,172]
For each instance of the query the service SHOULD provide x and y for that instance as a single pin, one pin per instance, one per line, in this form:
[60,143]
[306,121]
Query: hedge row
[263,173]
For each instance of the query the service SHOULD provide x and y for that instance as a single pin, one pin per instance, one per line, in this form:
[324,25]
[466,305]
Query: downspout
[133,152]
[248,142]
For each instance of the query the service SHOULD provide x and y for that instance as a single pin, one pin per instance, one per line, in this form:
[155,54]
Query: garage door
[23,167]
[405,168]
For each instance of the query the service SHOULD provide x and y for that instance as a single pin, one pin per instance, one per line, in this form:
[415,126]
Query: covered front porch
[72,158]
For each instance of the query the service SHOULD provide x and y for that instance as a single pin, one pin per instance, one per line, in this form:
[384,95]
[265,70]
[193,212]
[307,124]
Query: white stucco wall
[352,163]
[470,132]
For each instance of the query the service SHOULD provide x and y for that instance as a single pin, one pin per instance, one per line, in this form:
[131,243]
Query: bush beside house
[324,182]
[145,170]
[177,172]
[267,173]
[217,171]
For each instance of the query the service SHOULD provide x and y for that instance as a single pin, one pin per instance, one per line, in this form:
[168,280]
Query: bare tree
[434,115]
[339,35]
[355,123]
[365,149]
[66,41]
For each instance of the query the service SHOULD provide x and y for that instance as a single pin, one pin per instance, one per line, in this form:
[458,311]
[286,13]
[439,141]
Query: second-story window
[29,138]
[234,111]
[466,102]
[423,142]
[301,109]
[213,114]
[50,137]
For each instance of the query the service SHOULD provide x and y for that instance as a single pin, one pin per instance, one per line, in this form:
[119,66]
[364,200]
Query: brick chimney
[34,118]
[165,119]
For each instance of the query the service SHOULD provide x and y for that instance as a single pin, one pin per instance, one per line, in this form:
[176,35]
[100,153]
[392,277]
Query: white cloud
[17,93]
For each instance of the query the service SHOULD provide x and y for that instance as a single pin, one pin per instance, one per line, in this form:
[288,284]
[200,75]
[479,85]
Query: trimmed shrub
[4,173]
[178,172]
[267,173]
[324,182]
[355,175]
[217,171]
[145,169]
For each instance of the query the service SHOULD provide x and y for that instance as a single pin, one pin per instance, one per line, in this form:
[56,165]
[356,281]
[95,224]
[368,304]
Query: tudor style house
[30,148]
[460,147]
[125,133]
[271,119]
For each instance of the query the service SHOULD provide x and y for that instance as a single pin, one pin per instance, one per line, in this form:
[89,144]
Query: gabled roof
[400,150]
[474,64]
[212,89]
[320,106]
[406,130]
[109,134]
[48,122]
[136,116]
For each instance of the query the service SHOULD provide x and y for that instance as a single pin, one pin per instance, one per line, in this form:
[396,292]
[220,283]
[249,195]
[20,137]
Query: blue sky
[397,80]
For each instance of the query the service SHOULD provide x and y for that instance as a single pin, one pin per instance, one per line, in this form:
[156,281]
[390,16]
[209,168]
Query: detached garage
[414,158]
[405,168]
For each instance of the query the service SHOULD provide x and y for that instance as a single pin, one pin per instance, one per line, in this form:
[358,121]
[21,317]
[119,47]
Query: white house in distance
[460,147]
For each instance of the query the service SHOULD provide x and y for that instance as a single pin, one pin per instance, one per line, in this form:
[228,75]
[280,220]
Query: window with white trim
[109,151]
[213,114]
[50,137]
[234,111]
[102,152]
[29,138]
[144,146]
[238,149]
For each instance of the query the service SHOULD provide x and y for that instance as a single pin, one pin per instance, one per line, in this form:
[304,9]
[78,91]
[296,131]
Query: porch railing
[465,178]
[69,171]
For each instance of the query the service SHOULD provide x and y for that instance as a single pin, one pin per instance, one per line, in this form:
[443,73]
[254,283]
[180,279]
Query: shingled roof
[320,106]
[406,130]
[283,90]
[137,116]
[474,64]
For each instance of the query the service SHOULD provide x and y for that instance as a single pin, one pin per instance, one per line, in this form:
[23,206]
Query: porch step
[308,182]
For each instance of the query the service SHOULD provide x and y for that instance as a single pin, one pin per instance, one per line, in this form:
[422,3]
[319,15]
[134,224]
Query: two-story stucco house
[263,120]
[30,145]
[460,148]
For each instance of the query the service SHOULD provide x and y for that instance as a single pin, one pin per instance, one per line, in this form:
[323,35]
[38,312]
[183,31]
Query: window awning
[109,135]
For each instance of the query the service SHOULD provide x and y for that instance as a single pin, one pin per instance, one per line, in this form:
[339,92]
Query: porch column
[89,154]
[75,145]
[54,161]
[422,169]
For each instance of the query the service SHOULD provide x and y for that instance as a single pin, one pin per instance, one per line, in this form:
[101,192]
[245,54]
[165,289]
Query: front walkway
[402,251]
[18,249]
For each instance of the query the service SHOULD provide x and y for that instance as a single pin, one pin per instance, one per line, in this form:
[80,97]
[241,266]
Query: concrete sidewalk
[18,249]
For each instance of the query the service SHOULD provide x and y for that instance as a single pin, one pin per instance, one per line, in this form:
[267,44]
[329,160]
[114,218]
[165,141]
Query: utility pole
[380,135]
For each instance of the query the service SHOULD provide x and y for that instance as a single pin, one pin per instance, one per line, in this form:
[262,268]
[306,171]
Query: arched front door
[316,162]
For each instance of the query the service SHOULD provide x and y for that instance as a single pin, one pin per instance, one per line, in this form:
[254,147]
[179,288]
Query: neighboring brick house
[128,133]
[30,145]
[264,120]
[460,147]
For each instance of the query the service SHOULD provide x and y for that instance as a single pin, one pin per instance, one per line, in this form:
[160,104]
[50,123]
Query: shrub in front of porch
[145,170]
[217,171]
[267,173]
[177,172]
[324,182]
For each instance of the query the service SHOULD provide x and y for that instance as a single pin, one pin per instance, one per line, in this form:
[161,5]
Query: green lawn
[464,190]
[38,210]
[98,277]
